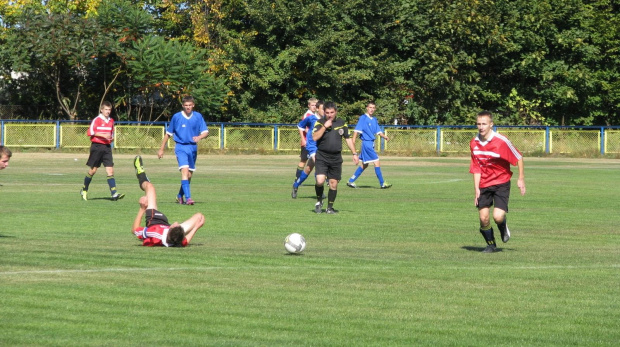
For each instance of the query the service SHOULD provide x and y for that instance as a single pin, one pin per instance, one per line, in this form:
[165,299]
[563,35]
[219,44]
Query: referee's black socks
[331,197]
[319,189]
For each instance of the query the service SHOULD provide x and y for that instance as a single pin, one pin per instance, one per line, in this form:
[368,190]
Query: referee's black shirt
[331,141]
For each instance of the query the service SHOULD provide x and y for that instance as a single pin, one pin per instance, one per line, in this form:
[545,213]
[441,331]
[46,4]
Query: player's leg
[183,159]
[334,175]
[365,157]
[304,174]
[94,162]
[358,172]
[112,184]
[486,229]
[87,180]
[192,225]
[190,172]
[151,195]
[485,201]
[500,202]
[303,158]
[320,168]
[108,162]
[145,184]
[382,183]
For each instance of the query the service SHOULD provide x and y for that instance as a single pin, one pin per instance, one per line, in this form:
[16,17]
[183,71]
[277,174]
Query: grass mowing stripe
[78,271]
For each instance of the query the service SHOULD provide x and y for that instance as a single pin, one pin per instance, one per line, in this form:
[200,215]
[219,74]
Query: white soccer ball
[295,243]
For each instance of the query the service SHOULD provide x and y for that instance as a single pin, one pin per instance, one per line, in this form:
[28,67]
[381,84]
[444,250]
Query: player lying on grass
[5,156]
[158,231]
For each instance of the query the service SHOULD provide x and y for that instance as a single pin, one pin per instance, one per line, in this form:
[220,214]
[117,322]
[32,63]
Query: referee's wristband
[354,153]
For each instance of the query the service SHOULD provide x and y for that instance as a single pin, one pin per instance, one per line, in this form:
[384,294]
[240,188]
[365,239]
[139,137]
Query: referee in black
[328,133]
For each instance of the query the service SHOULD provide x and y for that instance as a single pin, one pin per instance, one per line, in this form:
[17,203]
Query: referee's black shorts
[497,196]
[100,153]
[329,164]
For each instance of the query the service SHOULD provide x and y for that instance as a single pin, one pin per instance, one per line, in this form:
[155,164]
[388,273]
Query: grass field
[396,267]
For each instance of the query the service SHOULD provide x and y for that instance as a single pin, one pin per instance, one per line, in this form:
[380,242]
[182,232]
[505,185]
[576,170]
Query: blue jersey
[308,123]
[367,127]
[185,128]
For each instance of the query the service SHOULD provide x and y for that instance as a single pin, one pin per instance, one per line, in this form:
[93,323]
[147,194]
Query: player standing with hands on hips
[368,127]
[491,157]
[328,133]
[101,132]
[187,128]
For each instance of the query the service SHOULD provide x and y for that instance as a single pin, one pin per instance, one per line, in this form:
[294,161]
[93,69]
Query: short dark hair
[370,103]
[330,104]
[188,98]
[319,103]
[485,113]
[5,151]
[175,236]
[106,104]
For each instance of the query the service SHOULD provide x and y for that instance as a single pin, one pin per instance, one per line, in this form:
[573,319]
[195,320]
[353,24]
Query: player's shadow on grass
[480,249]
[360,187]
[106,198]
[11,236]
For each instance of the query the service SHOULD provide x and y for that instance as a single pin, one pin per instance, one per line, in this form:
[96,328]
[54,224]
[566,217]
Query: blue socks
[379,175]
[357,174]
[300,179]
[185,188]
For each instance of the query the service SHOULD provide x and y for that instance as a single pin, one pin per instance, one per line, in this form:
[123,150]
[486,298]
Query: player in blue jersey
[368,128]
[308,123]
[303,155]
[187,128]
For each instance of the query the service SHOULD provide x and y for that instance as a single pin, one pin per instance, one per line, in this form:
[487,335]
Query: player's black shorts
[329,164]
[154,217]
[303,155]
[495,195]
[100,153]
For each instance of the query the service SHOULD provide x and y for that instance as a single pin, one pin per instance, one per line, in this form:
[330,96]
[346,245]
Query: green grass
[396,267]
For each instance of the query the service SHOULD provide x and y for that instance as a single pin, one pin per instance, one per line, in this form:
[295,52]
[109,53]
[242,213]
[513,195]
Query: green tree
[162,72]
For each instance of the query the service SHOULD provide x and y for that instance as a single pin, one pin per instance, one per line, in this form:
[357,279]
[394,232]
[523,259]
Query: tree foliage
[552,62]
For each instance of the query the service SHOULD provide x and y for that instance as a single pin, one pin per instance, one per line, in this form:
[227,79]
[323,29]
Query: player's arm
[354,138]
[160,153]
[104,135]
[192,225]
[477,177]
[385,137]
[319,130]
[138,219]
[302,137]
[202,135]
[351,145]
[521,179]
[302,127]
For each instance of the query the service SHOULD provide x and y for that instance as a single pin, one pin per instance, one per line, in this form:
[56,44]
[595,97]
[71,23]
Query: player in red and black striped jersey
[491,157]
[101,132]
[157,230]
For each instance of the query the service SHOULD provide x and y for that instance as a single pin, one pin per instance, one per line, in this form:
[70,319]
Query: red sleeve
[93,125]
[474,165]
